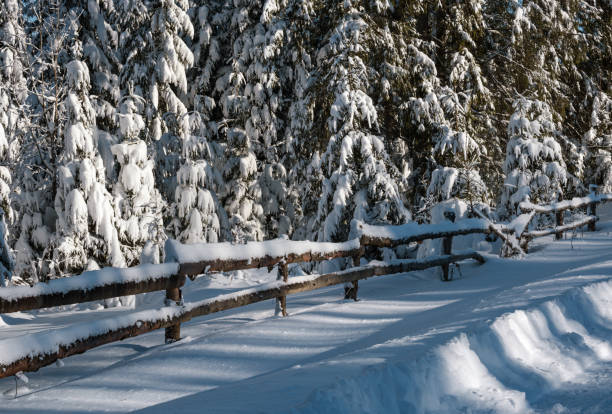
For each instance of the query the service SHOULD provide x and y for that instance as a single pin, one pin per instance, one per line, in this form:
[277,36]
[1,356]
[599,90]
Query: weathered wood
[447,245]
[174,296]
[386,242]
[97,293]
[281,301]
[578,202]
[592,208]
[541,233]
[351,289]
[592,211]
[514,246]
[192,269]
[190,311]
[559,223]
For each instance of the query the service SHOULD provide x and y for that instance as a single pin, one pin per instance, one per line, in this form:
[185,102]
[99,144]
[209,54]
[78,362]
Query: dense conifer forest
[127,122]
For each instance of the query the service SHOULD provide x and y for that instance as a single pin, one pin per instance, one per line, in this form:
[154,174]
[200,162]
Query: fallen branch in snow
[34,351]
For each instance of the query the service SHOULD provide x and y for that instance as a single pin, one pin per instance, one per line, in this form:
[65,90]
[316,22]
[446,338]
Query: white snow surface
[92,279]
[513,335]
[200,252]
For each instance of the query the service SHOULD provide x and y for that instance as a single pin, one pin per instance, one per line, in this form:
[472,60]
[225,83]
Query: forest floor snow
[512,335]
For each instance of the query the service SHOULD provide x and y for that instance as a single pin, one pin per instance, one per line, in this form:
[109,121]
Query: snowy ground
[509,336]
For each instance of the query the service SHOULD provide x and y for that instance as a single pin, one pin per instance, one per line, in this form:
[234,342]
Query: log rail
[559,208]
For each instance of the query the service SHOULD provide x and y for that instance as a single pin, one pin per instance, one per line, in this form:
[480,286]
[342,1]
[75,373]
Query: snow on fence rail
[31,352]
[93,285]
[196,259]
[576,202]
[391,236]
[559,208]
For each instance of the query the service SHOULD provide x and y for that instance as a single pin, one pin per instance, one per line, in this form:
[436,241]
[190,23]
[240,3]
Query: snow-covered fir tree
[246,120]
[86,225]
[101,54]
[534,166]
[360,182]
[12,122]
[197,212]
[52,32]
[138,203]
[242,193]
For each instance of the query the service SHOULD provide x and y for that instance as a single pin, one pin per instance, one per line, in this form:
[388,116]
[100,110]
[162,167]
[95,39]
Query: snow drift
[501,367]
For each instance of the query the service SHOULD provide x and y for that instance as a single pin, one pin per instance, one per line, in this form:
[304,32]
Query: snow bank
[414,230]
[204,252]
[92,279]
[499,368]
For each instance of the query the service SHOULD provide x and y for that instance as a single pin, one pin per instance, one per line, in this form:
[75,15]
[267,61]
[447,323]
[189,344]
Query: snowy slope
[509,336]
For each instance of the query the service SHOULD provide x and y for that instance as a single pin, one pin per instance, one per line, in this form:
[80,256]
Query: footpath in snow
[528,335]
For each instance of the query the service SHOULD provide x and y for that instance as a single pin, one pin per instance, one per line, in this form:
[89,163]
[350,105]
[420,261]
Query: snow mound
[500,368]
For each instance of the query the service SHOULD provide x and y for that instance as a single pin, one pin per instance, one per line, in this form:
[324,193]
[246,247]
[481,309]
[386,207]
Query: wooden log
[281,301]
[174,296]
[386,242]
[37,361]
[511,245]
[351,289]
[197,268]
[113,290]
[189,311]
[447,245]
[559,223]
[541,233]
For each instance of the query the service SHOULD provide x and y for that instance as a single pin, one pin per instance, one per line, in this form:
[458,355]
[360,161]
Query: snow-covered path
[340,356]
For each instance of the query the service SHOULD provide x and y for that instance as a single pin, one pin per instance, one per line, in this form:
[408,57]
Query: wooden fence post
[592,208]
[174,296]
[350,290]
[559,222]
[524,243]
[447,245]
[281,301]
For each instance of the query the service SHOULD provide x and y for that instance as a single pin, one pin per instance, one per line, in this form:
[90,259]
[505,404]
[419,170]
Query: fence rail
[558,209]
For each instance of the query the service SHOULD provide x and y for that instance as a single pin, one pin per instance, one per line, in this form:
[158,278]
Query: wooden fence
[189,261]
[559,208]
